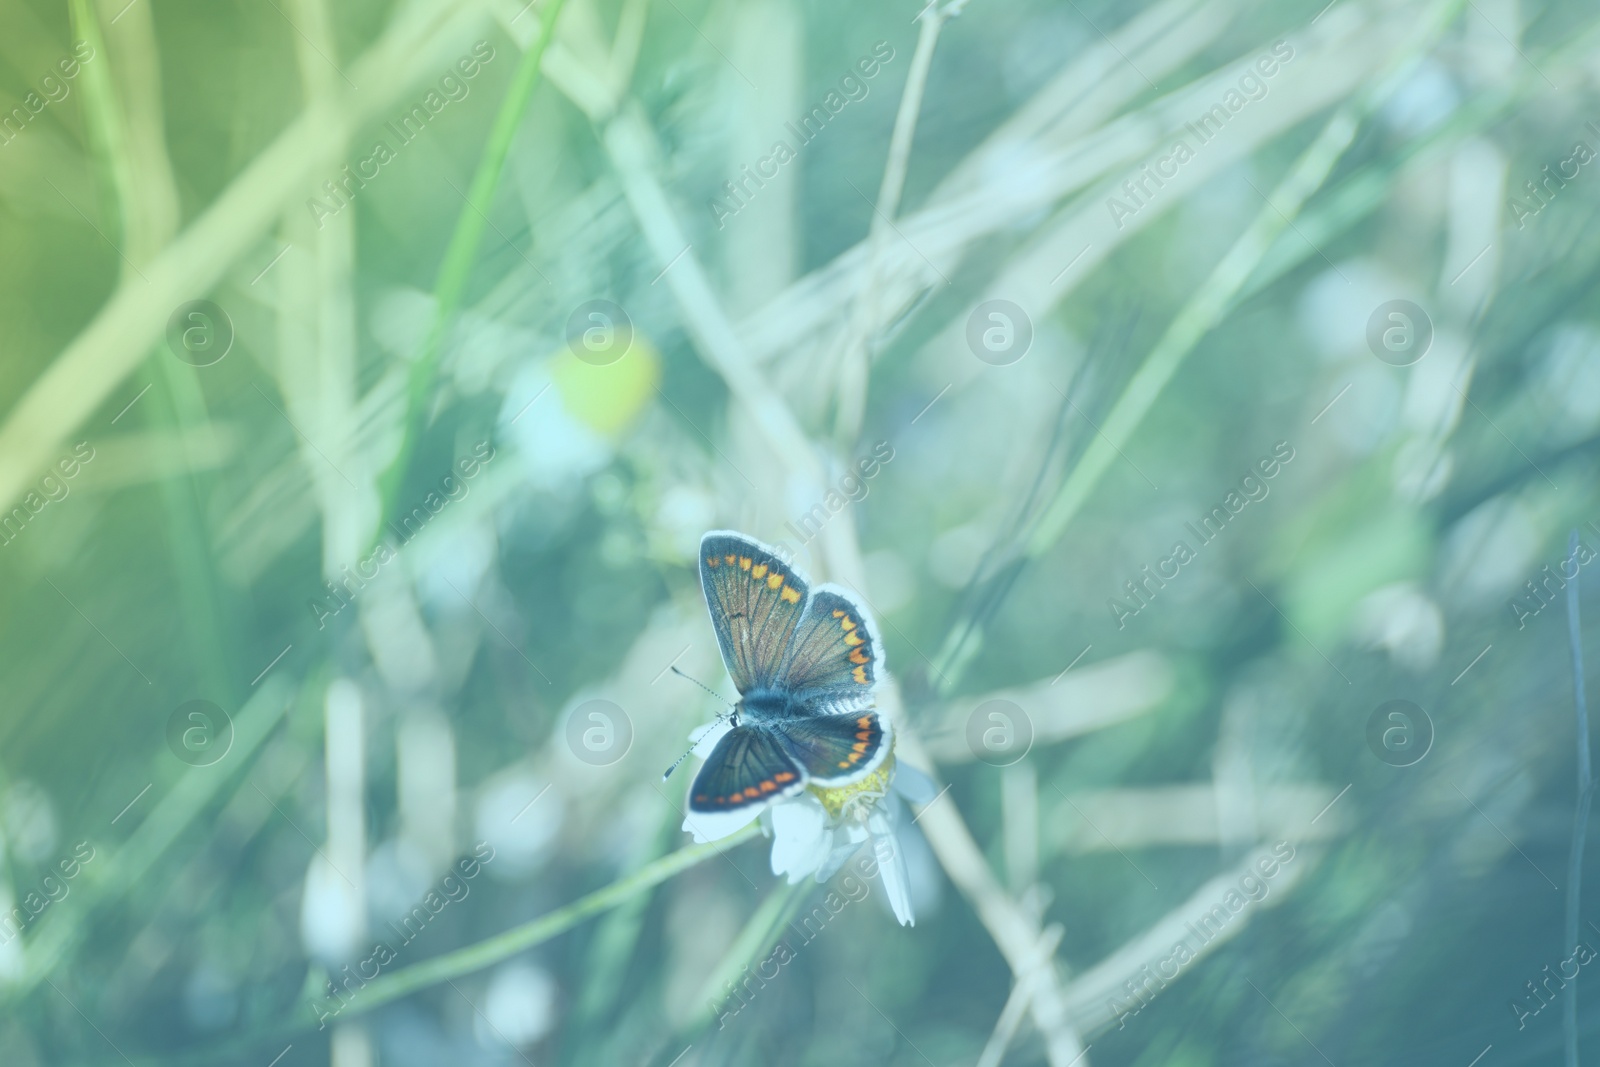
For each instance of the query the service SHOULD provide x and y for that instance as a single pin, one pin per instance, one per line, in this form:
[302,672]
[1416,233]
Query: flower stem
[503,946]
[759,934]
[388,988]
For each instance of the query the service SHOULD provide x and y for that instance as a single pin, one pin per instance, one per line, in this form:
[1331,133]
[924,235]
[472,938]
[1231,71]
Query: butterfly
[805,661]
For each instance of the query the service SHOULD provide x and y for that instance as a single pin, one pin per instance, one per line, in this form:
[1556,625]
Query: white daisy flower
[817,830]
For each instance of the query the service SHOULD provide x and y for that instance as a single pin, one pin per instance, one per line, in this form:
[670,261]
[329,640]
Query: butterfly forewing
[747,767]
[812,657]
[834,655]
[755,601]
[835,748]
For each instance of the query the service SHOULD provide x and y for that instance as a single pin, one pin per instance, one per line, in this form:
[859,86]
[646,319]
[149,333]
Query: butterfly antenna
[720,720]
[701,684]
[668,772]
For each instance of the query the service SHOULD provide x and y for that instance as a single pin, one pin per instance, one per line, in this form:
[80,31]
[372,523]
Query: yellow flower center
[856,798]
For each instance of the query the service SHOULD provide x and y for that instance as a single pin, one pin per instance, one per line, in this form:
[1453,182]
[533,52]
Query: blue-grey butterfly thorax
[769,705]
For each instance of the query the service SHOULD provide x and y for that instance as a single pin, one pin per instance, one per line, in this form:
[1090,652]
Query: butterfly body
[771,705]
[805,661]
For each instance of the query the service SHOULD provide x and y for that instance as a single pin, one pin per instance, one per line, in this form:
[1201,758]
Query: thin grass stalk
[1016,1006]
[503,946]
[1097,85]
[317,338]
[630,142]
[1580,820]
[145,209]
[947,225]
[386,989]
[1365,190]
[119,336]
[1089,997]
[462,253]
[134,59]
[209,626]
[191,879]
[614,944]
[757,937]
[1015,932]
[1206,308]
[625,47]
[173,813]
[137,205]
[631,145]
[107,138]
[855,360]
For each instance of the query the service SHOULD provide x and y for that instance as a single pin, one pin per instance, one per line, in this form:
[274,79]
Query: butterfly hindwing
[834,655]
[747,768]
[755,600]
[835,749]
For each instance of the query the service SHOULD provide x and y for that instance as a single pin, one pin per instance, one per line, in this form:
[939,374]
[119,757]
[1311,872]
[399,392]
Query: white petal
[800,838]
[843,848]
[896,879]
[715,825]
[882,820]
[705,737]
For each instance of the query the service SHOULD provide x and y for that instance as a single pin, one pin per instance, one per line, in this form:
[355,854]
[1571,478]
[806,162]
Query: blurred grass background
[377,348]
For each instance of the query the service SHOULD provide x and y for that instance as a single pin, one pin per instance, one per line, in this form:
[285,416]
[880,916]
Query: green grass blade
[1209,304]
[475,957]
[462,251]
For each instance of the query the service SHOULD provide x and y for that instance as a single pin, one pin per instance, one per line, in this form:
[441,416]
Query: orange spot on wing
[729,558]
[860,675]
[848,623]
[864,722]
[744,563]
[859,746]
[837,613]
[713,561]
[775,581]
[853,639]
[769,786]
[784,776]
[792,596]
[844,763]
[864,735]
[858,656]
[758,571]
